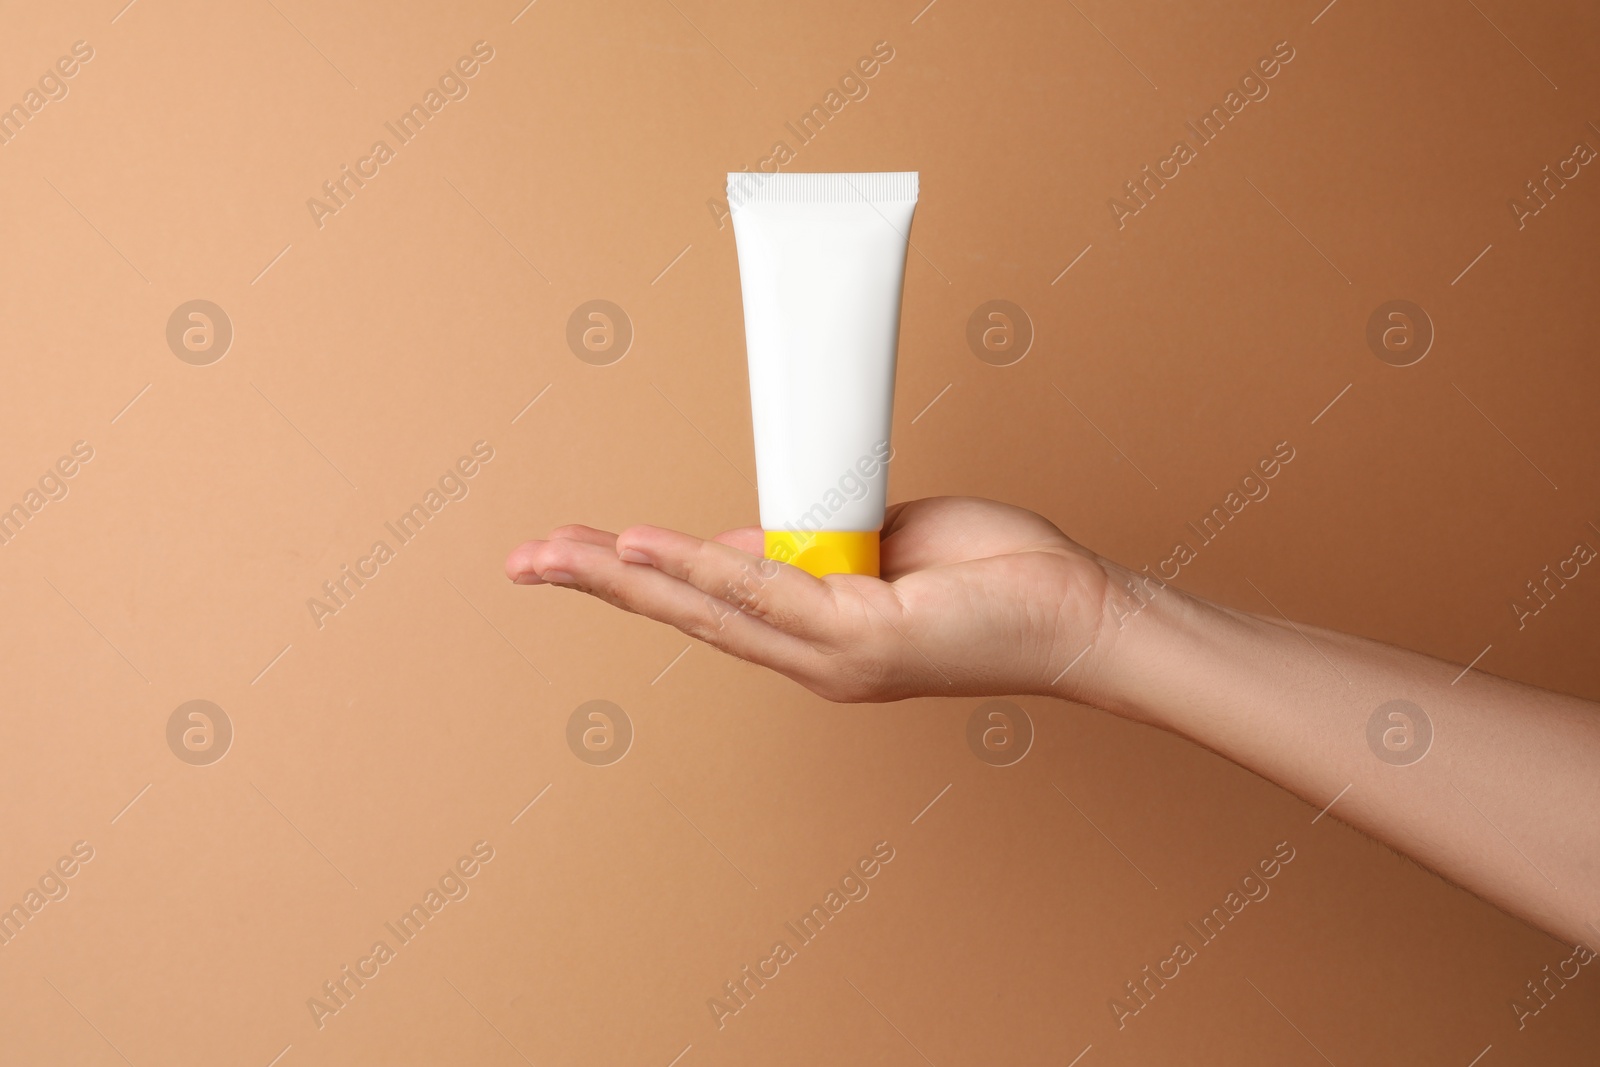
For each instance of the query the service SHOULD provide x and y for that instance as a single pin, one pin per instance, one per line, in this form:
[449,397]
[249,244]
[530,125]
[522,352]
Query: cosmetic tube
[822,265]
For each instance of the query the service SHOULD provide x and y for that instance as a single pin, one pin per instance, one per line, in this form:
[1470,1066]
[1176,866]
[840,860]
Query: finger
[520,563]
[587,534]
[750,539]
[518,566]
[657,595]
[786,597]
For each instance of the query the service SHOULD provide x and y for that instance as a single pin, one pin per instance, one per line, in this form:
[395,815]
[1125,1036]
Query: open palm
[976,597]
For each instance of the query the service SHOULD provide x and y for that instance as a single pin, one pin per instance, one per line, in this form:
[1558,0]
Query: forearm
[988,598]
[1505,802]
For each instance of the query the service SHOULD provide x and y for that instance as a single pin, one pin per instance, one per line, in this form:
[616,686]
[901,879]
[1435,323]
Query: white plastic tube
[822,264]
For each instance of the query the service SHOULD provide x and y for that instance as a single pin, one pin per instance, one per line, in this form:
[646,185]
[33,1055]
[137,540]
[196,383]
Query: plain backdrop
[373,746]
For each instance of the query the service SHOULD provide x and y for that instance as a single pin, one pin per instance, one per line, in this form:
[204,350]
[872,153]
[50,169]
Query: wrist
[1148,633]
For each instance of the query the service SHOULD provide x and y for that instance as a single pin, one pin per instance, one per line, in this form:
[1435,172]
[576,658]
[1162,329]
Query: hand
[976,598]
[979,598]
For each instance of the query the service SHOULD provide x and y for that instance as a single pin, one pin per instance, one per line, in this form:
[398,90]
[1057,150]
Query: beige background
[370,353]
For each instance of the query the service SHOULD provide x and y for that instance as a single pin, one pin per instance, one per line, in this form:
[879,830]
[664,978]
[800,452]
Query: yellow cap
[826,551]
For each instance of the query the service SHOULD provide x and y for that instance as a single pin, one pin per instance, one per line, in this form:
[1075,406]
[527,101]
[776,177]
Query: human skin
[979,598]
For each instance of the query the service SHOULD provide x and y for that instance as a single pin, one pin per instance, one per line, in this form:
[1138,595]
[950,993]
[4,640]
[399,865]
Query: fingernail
[559,578]
[633,555]
[528,579]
